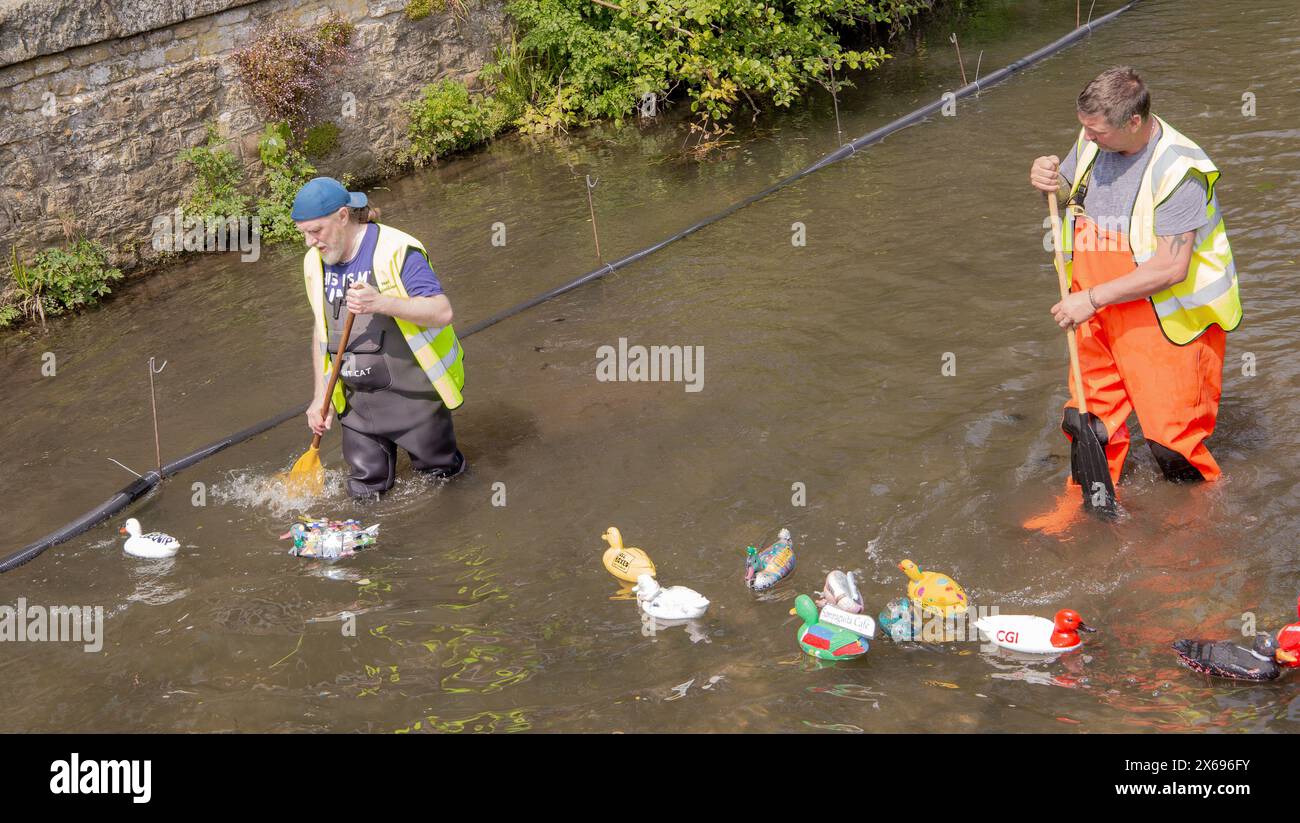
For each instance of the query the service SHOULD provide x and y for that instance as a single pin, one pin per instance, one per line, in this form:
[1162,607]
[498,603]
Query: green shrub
[286,171]
[216,191]
[447,118]
[320,139]
[595,62]
[57,281]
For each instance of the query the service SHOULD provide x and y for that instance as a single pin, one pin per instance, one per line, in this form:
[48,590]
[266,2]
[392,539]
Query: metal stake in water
[153,402]
[953,39]
[591,184]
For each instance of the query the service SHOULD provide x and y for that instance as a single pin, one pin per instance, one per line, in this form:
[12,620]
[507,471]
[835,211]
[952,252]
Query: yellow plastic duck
[627,564]
[935,593]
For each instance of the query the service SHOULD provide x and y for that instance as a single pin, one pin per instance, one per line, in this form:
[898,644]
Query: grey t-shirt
[1113,187]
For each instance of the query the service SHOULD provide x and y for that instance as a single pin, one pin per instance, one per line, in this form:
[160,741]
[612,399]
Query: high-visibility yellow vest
[438,351]
[1209,293]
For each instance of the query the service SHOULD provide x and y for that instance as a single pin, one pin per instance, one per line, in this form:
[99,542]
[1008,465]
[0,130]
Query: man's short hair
[1118,94]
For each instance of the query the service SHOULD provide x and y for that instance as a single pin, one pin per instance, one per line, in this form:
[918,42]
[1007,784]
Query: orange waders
[1129,365]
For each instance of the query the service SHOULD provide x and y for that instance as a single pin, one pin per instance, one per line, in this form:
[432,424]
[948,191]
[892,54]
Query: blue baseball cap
[324,195]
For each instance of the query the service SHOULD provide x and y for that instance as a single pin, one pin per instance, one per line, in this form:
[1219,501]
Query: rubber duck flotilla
[1035,635]
[764,569]
[672,603]
[832,633]
[153,545]
[1224,658]
[625,563]
[841,591]
[329,539]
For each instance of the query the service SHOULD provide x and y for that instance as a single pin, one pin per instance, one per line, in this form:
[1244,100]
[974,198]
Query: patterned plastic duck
[897,620]
[929,595]
[841,591]
[934,593]
[831,634]
[764,569]
[329,539]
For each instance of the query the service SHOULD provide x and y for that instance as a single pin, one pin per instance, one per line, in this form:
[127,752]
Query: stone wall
[97,99]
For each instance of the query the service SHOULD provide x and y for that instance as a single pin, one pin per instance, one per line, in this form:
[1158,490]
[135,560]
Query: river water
[824,367]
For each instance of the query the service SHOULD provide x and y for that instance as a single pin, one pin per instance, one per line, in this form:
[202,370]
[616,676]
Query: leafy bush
[57,281]
[216,191]
[286,171]
[284,69]
[447,118]
[594,59]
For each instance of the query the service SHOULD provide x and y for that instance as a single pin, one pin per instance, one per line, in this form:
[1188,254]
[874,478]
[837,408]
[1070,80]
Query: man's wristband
[1093,301]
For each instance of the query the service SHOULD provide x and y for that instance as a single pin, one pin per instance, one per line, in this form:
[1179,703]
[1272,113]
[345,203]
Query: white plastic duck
[152,545]
[672,603]
[1035,635]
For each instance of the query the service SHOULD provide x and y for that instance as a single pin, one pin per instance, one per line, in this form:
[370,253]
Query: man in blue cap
[402,368]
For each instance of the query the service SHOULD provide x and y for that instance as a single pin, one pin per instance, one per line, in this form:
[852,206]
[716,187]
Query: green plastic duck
[822,640]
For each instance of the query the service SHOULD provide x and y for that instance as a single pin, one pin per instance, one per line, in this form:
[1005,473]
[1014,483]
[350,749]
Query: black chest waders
[390,403]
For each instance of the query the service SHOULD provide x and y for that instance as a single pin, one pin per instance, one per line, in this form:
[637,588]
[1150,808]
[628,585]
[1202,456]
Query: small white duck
[672,603]
[1035,635]
[152,545]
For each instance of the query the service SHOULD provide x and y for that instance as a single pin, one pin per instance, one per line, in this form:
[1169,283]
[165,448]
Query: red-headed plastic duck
[1288,642]
[1035,635]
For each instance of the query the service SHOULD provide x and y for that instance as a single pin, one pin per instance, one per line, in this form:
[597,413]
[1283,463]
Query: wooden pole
[957,46]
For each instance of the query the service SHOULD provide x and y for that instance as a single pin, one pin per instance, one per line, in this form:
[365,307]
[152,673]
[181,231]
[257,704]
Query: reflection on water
[850,691]
[152,583]
[513,721]
[835,727]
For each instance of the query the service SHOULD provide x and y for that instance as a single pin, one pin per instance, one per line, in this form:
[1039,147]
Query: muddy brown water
[822,367]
